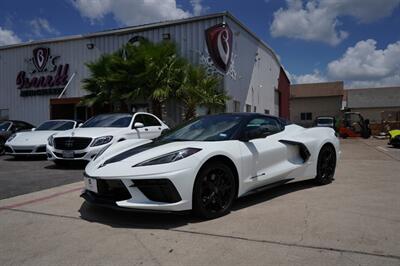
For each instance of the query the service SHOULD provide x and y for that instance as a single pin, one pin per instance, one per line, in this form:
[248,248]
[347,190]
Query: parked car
[33,142]
[9,127]
[325,121]
[83,143]
[207,163]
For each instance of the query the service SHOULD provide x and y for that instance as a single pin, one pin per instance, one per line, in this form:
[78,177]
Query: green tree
[201,89]
[151,72]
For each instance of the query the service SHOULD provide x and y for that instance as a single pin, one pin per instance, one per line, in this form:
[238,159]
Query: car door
[143,132]
[154,126]
[263,156]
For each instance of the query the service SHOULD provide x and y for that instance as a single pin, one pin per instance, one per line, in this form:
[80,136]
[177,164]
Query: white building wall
[257,73]
[255,82]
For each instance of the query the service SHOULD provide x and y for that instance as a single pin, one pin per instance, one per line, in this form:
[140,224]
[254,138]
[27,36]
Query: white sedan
[33,143]
[205,164]
[99,132]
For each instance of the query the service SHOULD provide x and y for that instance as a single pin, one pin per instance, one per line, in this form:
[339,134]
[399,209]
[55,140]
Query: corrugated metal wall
[256,77]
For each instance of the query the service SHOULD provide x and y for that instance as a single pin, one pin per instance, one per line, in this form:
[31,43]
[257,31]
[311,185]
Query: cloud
[315,77]
[362,65]
[8,37]
[365,64]
[41,26]
[198,8]
[318,20]
[134,12]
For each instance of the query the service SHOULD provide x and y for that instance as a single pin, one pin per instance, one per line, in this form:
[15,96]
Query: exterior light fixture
[166,36]
[90,46]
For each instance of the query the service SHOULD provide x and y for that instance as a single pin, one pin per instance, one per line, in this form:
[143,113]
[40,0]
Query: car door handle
[146,129]
[159,128]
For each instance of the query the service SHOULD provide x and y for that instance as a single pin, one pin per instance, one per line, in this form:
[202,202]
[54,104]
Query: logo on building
[40,58]
[219,44]
[43,75]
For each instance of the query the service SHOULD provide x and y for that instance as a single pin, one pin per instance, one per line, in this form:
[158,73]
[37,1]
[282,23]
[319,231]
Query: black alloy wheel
[214,191]
[326,165]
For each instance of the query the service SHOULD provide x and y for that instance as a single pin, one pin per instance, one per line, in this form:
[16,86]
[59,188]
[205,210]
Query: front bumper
[36,150]
[168,192]
[77,155]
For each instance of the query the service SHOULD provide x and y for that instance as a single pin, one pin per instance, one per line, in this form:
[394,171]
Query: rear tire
[326,165]
[214,191]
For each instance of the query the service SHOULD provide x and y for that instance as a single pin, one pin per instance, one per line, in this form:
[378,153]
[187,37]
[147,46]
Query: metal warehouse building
[42,79]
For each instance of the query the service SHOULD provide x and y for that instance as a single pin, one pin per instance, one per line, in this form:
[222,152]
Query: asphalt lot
[23,176]
[353,221]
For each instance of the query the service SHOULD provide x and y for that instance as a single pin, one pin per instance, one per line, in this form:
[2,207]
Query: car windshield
[114,120]
[4,126]
[208,128]
[325,120]
[56,125]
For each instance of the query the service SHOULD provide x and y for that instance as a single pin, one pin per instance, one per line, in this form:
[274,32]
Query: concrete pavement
[353,221]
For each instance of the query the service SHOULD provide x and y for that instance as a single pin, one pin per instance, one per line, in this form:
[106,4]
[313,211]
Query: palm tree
[201,89]
[151,72]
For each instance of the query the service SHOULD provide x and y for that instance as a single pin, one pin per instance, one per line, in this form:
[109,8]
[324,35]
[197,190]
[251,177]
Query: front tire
[214,190]
[326,165]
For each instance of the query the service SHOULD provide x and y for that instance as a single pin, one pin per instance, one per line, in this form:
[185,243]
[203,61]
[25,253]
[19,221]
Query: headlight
[101,140]
[50,140]
[101,152]
[11,137]
[170,157]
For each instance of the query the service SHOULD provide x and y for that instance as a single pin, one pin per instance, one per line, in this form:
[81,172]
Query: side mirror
[165,131]
[80,124]
[138,125]
[33,129]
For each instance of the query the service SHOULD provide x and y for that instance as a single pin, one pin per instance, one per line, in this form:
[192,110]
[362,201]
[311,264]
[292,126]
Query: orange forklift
[354,125]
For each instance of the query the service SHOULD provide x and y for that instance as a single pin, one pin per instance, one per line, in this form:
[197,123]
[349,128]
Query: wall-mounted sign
[45,76]
[219,44]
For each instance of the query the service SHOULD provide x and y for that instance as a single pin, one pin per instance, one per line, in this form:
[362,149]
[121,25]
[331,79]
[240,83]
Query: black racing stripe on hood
[133,151]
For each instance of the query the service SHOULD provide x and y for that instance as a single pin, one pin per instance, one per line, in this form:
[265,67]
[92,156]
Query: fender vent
[303,151]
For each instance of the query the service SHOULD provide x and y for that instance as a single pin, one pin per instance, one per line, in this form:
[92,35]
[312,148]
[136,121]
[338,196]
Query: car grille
[112,190]
[41,149]
[160,190]
[71,143]
[22,151]
[76,155]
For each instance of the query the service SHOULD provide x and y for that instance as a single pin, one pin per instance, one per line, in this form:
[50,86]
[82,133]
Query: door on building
[67,108]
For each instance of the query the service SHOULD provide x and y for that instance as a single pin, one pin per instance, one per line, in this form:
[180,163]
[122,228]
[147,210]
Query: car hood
[31,138]
[141,150]
[91,132]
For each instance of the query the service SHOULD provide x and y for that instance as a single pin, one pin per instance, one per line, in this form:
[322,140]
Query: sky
[357,41]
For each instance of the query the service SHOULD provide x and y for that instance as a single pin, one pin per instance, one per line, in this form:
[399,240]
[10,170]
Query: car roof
[243,114]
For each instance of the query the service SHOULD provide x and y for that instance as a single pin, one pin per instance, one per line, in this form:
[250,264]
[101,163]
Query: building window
[266,111]
[306,116]
[4,114]
[248,108]
[255,109]
[236,106]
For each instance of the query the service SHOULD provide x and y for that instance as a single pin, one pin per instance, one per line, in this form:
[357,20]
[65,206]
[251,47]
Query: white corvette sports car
[207,163]
[33,143]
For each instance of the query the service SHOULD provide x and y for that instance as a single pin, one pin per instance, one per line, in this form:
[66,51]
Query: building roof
[148,26]
[373,97]
[324,89]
